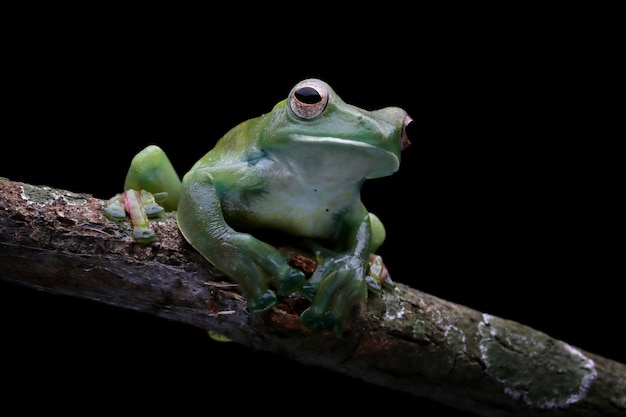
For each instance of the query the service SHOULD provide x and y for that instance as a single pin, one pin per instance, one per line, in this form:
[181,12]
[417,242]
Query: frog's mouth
[350,158]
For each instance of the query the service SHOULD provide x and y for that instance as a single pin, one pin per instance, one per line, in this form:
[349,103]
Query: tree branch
[406,340]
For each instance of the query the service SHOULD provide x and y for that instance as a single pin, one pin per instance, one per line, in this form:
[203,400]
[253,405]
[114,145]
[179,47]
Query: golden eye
[308,99]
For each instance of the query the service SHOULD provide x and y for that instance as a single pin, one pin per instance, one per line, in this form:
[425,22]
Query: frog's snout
[404,137]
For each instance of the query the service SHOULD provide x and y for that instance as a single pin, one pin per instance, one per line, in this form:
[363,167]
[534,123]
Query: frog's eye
[308,99]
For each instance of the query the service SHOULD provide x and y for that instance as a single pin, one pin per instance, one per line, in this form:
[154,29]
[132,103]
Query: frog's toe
[292,282]
[333,323]
[312,319]
[309,290]
[144,234]
[153,210]
[114,208]
[373,284]
[388,283]
[378,276]
[315,320]
[262,303]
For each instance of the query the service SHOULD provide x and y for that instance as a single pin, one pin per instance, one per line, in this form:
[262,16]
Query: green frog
[294,172]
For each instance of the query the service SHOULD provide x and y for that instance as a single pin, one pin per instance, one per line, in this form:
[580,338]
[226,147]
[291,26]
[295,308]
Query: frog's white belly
[297,208]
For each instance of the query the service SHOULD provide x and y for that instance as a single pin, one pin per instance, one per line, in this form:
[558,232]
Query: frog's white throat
[341,159]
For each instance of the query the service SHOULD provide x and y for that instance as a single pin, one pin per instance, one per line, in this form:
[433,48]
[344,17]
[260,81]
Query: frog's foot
[140,206]
[263,303]
[336,294]
[378,276]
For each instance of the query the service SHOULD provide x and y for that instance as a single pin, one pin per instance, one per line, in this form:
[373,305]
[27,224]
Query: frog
[296,172]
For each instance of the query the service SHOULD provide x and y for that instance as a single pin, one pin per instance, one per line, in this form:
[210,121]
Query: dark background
[500,203]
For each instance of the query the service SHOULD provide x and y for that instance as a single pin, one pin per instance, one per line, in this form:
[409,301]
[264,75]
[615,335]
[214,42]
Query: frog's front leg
[339,281]
[343,279]
[255,265]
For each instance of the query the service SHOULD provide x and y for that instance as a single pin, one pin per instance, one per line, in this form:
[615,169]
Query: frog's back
[234,145]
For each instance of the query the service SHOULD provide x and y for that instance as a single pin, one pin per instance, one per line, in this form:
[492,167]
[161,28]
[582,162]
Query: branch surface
[60,242]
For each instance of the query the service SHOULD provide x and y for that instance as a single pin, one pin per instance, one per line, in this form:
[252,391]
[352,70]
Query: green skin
[296,171]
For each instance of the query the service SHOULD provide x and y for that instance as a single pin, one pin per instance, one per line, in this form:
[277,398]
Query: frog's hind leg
[151,170]
[377,275]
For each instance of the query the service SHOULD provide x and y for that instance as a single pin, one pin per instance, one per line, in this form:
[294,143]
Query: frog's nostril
[404,137]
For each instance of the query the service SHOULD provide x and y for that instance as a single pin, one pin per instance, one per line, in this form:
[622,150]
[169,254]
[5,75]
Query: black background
[499,204]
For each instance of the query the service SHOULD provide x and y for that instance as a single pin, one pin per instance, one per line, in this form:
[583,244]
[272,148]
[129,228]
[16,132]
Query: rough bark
[58,241]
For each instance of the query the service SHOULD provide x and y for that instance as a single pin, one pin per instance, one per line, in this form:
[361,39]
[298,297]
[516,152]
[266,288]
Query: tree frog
[294,172]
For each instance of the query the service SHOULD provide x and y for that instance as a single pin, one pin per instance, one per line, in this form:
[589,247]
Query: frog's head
[314,128]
